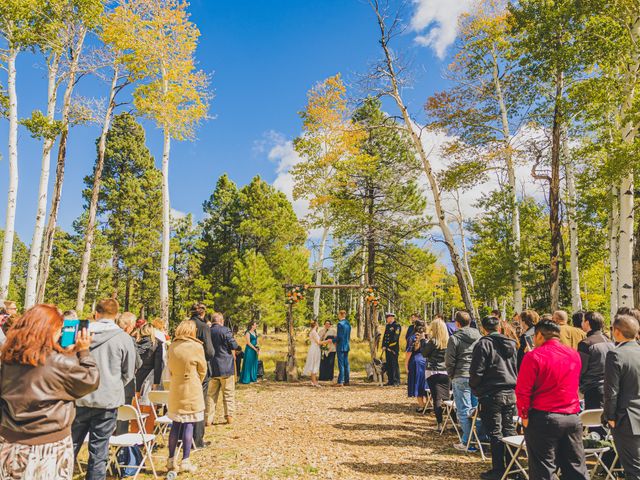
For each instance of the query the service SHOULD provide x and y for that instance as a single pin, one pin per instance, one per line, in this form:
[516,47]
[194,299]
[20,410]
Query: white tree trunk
[95,192]
[12,193]
[411,128]
[614,228]
[572,201]
[166,230]
[318,268]
[49,236]
[516,279]
[625,243]
[41,212]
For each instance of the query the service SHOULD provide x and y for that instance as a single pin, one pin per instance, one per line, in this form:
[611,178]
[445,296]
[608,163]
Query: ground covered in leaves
[295,431]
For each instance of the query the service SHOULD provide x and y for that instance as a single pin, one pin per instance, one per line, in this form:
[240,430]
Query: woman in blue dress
[249,372]
[416,380]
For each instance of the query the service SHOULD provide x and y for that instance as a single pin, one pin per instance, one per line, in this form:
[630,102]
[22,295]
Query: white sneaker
[460,446]
[187,466]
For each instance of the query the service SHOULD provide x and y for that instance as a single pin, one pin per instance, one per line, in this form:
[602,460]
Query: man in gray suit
[622,394]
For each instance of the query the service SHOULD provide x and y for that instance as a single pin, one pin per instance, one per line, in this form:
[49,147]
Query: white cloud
[177,214]
[282,153]
[436,22]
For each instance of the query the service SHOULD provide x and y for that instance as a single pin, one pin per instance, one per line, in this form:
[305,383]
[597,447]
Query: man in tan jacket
[569,335]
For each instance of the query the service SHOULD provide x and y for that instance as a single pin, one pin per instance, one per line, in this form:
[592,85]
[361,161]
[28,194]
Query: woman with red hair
[39,383]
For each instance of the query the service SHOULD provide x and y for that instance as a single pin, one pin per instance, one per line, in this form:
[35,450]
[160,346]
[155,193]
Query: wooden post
[292,368]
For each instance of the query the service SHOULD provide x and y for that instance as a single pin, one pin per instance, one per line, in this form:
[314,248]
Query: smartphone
[70,331]
[529,341]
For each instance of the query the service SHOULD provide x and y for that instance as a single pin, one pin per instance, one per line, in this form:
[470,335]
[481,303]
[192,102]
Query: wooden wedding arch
[295,293]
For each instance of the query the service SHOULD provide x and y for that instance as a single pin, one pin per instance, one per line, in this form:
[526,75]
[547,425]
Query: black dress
[327,363]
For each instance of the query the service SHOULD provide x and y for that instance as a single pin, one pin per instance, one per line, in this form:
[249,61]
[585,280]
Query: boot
[229,419]
[171,464]
[187,466]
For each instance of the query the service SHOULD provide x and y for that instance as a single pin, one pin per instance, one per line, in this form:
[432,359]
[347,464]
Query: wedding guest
[312,365]
[96,413]
[593,353]
[458,361]
[528,319]
[416,378]
[492,377]
[343,345]
[150,351]
[434,350]
[223,378]
[622,394]
[548,404]
[252,350]
[39,382]
[188,369]
[569,335]
[327,362]
[199,316]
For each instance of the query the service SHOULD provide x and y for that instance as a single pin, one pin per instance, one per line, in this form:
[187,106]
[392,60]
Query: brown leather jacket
[37,403]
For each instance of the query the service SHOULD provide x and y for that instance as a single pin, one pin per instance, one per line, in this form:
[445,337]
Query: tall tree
[487,106]
[19,23]
[159,42]
[546,43]
[80,16]
[386,77]
[327,138]
[120,78]
[130,206]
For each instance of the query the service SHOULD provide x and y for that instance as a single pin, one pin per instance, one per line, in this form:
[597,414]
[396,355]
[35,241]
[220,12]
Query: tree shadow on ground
[395,441]
[426,469]
[378,407]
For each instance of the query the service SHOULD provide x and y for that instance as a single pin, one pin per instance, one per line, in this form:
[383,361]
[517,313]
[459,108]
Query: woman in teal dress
[249,372]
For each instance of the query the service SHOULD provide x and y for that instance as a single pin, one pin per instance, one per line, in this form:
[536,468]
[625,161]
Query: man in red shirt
[547,402]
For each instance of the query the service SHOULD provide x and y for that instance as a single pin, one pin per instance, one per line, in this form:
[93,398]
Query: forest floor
[295,431]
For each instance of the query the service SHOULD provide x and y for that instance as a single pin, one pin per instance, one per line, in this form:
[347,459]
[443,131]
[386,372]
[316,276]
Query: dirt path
[360,432]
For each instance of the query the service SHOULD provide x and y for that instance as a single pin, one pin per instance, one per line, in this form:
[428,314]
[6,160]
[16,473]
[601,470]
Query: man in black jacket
[622,394]
[492,378]
[222,370]
[198,312]
[593,352]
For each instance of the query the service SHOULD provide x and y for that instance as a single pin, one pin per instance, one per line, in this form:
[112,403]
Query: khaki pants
[228,387]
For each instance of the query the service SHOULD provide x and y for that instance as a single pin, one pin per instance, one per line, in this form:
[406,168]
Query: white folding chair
[449,408]
[429,402]
[128,413]
[613,468]
[473,433]
[515,446]
[160,398]
[591,419]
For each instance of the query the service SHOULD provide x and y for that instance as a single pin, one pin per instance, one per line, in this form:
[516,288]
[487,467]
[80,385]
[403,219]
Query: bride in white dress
[312,366]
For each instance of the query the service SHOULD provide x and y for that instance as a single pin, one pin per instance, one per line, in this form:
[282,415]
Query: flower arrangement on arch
[371,296]
[296,293]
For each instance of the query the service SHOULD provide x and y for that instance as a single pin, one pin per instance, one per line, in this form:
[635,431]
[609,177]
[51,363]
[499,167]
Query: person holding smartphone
[40,381]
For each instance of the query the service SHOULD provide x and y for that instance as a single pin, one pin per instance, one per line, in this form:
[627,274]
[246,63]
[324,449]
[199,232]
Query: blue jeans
[464,401]
[100,424]
[343,367]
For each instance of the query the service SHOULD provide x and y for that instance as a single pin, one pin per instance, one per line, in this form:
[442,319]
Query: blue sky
[264,56]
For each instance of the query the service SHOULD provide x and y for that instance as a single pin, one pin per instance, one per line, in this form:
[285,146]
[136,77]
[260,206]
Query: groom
[342,348]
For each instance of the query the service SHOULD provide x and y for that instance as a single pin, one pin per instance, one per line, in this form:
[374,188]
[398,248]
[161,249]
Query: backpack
[132,458]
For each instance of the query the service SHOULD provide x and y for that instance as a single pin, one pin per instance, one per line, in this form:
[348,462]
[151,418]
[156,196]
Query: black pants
[440,388]
[198,429]
[496,413]
[393,369]
[628,447]
[554,441]
[100,424]
[594,398]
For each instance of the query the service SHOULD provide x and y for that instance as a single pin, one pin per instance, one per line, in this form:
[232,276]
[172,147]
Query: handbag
[132,458]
